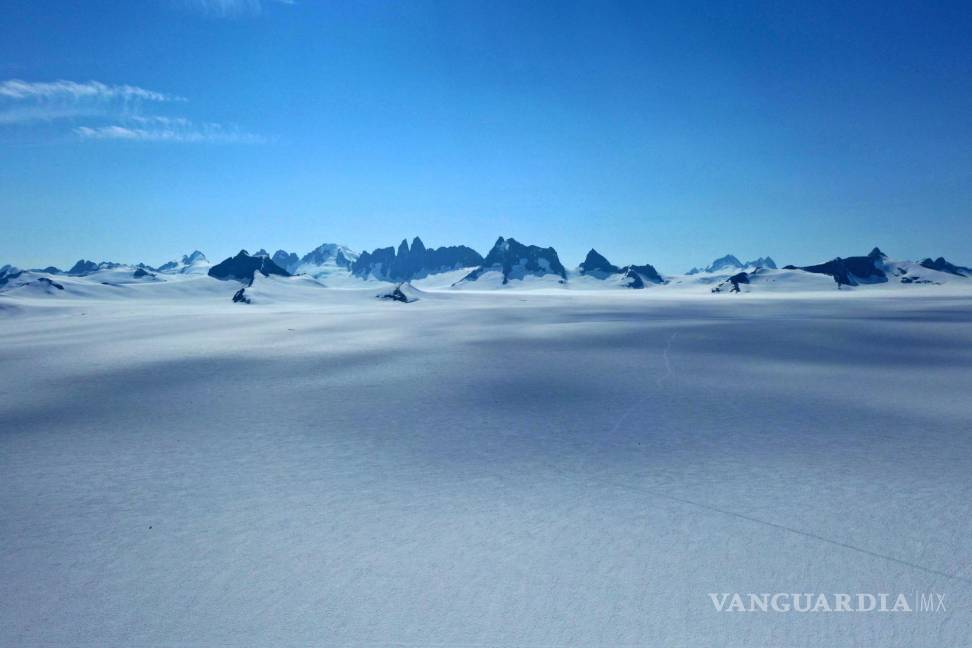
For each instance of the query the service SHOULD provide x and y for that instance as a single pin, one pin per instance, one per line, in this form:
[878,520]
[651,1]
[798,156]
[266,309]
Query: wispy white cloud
[71,90]
[39,113]
[100,111]
[230,8]
[181,133]
[23,102]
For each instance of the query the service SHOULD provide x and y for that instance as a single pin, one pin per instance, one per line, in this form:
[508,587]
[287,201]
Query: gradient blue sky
[668,133]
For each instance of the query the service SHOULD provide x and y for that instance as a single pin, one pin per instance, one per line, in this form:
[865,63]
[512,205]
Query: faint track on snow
[660,382]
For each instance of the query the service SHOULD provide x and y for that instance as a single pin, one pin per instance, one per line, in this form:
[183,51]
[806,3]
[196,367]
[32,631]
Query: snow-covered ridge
[509,264]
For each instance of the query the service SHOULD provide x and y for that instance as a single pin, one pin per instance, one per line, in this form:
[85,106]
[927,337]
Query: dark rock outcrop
[47,282]
[646,272]
[851,271]
[732,283]
[597,266]
[941,265]
[413,262]
[286,260]
[397,294]
[83,267]
[243,267]
[762,262]
[515,261]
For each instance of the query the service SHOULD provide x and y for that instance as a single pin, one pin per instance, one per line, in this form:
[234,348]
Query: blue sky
[667,133]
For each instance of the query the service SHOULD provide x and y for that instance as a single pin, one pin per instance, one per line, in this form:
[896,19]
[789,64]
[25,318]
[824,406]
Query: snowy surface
[516,468]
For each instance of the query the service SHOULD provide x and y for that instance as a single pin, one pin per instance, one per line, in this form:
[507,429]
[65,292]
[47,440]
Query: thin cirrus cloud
[181,132]
[74,91]
[109,112]
[230,8]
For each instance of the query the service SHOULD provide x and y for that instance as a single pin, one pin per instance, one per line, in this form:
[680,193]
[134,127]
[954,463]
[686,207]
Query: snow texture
[517,468]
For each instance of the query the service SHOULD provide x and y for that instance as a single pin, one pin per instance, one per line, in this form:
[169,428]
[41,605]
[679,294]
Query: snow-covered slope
[321,467]
[193,263]
[326,261]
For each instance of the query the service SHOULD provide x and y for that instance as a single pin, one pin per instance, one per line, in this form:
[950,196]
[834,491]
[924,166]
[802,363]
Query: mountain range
[731,263]
[508,263]
[413,262]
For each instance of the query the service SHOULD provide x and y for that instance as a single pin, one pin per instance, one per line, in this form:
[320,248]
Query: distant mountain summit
[596,264]
[325,259]
[942,265]
[286,260]
[413,262]
[244,266]
[194,259]
[631,276]
[730,263]
[851,271]
[83,267]
[513,260]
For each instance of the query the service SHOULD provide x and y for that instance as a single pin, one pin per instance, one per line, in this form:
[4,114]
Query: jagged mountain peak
[407,263]
[942,265]
[243,267]
[596,262]
[286,260]
[515,260]
[731,262]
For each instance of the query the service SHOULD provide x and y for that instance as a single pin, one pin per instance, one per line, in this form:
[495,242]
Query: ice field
[519,468]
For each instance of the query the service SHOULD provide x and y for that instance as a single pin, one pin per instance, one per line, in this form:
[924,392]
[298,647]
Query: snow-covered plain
[507,468]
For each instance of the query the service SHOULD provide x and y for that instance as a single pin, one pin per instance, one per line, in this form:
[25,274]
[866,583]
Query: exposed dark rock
[762,262]
[722,263]
[242,267]
[240,297]
[413,262]
[596,264]
[141,272]
[83,267]
[515,260]
[286,260]
[397,294]
[733,282]
[942,265]
[10,274]
[646,271]
[852,270]
[48,282]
